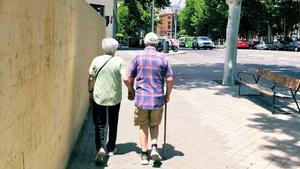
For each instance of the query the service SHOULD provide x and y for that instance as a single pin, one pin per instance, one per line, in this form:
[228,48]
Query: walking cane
[165,132]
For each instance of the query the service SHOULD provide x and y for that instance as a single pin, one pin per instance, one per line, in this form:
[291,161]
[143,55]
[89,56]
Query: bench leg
[273,103]
[294,97]
[239,89]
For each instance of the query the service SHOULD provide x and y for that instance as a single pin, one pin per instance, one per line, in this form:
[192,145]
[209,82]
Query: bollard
[166,46]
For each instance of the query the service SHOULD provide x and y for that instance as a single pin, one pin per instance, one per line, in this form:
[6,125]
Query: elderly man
[149,69]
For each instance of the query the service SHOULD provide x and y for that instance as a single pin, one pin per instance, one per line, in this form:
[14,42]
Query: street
[209,126]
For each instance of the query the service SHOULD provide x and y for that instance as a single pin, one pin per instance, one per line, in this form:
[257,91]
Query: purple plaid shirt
[149,68]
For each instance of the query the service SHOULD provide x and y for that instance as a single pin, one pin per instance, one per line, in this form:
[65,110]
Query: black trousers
[100,114]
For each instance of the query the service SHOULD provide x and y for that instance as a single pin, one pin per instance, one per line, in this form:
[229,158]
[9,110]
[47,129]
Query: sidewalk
[209,127]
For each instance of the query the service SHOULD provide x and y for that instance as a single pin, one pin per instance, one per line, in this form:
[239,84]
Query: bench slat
[263,90]
[280,79]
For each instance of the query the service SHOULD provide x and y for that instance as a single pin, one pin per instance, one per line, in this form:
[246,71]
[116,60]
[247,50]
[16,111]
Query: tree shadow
[197,76]
[209,76]
[289,145]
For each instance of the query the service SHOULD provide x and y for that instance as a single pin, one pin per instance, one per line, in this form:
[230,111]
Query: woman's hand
[91,98]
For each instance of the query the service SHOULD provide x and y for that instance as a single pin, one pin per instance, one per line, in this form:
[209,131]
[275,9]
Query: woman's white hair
[151,39]
[109,45]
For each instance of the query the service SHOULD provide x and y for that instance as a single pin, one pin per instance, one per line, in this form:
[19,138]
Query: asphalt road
[287,62]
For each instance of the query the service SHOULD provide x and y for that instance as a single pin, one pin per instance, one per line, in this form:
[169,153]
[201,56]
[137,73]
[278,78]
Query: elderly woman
[107,71]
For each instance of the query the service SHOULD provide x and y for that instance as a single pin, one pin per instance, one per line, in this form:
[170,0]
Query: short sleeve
[132,71]
[122,68]
[92,69]
[169,71]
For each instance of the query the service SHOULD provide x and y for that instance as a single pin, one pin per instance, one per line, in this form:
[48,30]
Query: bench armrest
[255,78]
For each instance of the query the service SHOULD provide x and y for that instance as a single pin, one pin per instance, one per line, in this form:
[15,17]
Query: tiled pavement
[209,127]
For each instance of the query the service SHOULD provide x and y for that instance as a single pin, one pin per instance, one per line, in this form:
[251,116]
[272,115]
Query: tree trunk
[231,41]
[270,36]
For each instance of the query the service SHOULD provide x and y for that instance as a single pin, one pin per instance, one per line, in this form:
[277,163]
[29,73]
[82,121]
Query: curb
[176,53]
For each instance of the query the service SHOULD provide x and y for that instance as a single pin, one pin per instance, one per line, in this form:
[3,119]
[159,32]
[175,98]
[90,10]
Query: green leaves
[204,17]
[135,16]
[209,17]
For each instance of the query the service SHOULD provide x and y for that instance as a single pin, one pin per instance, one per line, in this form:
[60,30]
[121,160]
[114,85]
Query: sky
[175,2]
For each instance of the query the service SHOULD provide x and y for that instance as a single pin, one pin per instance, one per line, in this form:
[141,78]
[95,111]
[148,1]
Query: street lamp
[175,9]
[152,17]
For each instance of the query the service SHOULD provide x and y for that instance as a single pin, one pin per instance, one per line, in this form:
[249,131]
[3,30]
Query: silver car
[262,46]
[202,42]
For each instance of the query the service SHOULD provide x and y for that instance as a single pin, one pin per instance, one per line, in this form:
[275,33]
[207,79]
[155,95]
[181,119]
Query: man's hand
[167,98]
[131,94]
[169,88]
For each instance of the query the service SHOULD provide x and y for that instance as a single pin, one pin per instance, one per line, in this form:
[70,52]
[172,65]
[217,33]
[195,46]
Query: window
[99,8]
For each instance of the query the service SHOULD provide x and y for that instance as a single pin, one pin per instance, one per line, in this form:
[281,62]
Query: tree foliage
[135,16]
[209,17]
[204,17]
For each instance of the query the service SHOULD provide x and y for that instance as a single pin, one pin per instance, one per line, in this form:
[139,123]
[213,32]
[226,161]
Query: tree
[123,22]
[216,13]
[231,41]
[204,17]
[186,15]
[135,15]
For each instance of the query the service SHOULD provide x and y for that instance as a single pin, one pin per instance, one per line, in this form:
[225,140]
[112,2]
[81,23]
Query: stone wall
[46,47]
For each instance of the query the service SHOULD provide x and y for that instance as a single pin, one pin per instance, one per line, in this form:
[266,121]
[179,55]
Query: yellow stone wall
[46,47]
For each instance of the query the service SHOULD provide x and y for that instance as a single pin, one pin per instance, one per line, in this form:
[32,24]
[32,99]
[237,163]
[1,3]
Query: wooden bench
[276,79]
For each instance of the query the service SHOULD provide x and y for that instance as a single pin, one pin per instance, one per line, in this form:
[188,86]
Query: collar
[150,48]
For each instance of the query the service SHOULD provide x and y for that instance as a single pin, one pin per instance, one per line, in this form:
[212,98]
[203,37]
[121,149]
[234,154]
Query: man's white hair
[109,45]
[151,39]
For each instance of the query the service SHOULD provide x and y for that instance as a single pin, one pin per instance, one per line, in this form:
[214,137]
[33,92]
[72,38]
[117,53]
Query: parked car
[189,42]
[277,45]
[262,46]
[202,42]
[294,45]
[252,44]
[243,44]
[182,41]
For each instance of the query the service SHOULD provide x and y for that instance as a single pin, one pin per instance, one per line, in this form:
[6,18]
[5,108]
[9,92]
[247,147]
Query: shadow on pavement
[189,76]
[127,148]
[171,152]
[209,76]
[288,146]
[284,151]
[103,164]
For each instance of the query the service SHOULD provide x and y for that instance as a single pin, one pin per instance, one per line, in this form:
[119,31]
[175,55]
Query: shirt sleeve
[169,71]
[122,68]
[132,71]
[92,69]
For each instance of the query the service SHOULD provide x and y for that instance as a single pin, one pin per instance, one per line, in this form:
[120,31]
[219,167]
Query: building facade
[108,9]
[166,27]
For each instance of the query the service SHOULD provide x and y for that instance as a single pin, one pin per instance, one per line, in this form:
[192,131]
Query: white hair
[151,39]
[109,45]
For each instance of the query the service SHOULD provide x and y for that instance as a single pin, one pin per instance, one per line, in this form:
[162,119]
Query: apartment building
[166,29]
[108,9]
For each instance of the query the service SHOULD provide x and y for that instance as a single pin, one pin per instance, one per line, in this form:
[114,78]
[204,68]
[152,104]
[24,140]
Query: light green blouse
[108,85]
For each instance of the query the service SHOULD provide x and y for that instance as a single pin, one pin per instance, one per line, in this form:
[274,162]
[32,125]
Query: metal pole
[165,133]
[152,17]
[115,18]
[175,24]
